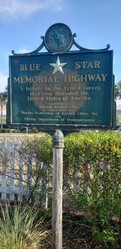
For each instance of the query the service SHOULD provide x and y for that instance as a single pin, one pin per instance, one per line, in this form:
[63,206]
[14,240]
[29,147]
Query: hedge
[92,177]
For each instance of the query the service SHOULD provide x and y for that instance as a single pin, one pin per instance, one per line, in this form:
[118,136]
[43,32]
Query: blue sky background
[22,23]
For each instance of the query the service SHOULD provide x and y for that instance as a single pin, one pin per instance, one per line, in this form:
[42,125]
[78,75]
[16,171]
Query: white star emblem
[58,66]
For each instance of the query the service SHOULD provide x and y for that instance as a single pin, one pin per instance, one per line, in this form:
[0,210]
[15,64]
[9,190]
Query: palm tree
[3,98]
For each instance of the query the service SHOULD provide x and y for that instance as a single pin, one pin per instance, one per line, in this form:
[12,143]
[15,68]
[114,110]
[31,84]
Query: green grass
[20,229]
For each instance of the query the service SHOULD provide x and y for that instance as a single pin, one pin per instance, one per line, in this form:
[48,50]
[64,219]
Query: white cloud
[22,51]
[3,81]
[11,9]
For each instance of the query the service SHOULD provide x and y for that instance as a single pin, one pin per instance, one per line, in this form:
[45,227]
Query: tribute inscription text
[65,90]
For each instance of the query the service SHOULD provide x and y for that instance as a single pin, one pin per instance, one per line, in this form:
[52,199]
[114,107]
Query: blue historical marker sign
[68,89]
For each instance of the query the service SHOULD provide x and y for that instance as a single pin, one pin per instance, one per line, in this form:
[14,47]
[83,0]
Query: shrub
[92,176]
[94,162]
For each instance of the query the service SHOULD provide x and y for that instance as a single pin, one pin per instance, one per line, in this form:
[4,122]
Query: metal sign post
[58,145]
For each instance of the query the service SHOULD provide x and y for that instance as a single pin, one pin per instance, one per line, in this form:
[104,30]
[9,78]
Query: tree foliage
[3,98]
[118,90]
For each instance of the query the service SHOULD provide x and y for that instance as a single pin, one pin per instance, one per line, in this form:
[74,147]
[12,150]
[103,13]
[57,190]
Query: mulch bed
[77,234]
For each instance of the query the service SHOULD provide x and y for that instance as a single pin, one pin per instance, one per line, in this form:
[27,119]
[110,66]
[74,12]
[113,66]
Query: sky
[23,22]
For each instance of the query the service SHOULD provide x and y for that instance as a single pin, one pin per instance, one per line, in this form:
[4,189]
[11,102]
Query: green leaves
[92,176]
[97,159]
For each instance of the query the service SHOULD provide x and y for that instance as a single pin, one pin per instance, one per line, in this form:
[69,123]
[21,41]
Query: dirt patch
[78,234]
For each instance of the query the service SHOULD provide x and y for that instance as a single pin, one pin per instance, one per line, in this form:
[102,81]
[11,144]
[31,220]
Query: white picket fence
[24,179]
[19,174]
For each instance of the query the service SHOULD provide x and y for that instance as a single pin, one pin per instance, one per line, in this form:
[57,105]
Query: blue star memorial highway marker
[58,66]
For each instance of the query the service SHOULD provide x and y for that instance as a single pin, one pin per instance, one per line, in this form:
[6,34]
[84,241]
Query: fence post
[58,145]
